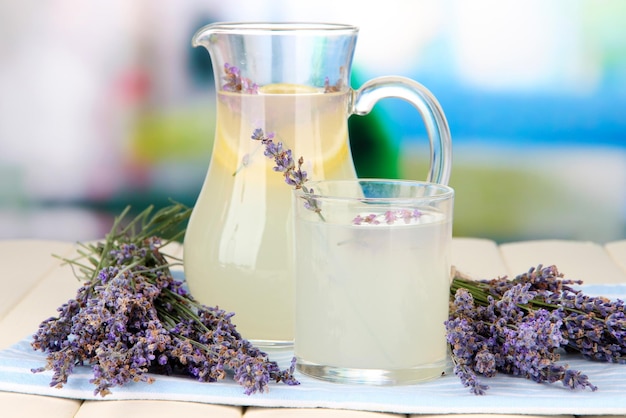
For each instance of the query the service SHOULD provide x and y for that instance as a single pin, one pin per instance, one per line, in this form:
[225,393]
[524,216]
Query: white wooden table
[34,285]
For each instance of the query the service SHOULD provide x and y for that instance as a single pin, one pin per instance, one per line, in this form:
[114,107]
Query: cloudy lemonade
[373,297]
[239,241]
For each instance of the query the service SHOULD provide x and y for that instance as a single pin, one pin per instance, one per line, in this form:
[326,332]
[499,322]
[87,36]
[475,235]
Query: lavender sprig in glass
[285,164]
[388,217]
[296,177]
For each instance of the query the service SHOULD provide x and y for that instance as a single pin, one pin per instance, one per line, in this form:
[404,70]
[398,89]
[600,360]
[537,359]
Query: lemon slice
[335,152]
[287,88]
[224,151]
[327,150]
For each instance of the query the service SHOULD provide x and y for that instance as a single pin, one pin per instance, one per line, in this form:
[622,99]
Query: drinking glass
[372,263]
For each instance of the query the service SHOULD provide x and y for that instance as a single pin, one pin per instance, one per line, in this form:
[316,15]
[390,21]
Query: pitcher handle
[423,100]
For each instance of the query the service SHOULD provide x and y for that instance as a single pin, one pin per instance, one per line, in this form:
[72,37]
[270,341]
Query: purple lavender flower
[282,158]
[284,161]
[338,86]
[389,217]
[574,379]
[236,83]
[294,175]
[505,333]
[588,323]
[470,379]
[299,176]
[485,362]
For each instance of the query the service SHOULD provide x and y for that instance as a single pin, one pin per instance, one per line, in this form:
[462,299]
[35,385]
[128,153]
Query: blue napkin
[446,395]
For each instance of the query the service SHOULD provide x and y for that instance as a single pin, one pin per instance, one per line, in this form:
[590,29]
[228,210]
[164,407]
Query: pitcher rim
[443,191]
[278,27]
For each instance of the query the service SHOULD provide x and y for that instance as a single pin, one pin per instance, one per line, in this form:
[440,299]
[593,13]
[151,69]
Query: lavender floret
[388,217]
[234,82]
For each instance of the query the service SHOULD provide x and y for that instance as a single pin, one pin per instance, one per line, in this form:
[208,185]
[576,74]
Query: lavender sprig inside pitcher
[236,83]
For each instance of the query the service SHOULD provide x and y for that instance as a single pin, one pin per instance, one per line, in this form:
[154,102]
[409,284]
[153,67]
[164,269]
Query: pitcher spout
[203,36]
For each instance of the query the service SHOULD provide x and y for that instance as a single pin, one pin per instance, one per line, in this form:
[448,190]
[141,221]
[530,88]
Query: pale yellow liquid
[238,246]
[373,298]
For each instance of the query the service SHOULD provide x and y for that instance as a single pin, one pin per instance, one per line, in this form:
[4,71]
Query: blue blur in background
[107,104]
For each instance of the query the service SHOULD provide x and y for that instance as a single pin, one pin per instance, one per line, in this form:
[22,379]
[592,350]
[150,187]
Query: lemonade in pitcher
[242,219]
[290,81]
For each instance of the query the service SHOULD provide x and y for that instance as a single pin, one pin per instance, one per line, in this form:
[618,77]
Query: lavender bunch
[131,317]
[594,326]
[519,326]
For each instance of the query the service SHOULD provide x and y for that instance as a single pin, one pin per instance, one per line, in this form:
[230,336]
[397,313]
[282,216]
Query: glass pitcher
[292,81]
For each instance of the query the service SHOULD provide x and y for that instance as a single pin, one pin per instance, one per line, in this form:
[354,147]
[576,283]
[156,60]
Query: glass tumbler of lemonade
[372,280]
[291,81]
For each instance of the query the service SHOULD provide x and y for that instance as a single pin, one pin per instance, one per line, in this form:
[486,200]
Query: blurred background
[105,104]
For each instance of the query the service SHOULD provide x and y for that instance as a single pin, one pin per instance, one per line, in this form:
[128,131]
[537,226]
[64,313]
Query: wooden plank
[314,413]
[24,263]
[21,405]
[55,286]
[155,409]
[492,416]
[586,261]
[478,258]
[50,286]
[617,252]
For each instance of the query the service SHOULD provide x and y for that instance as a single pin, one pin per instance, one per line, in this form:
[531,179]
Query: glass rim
[443,191]
[278,27]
